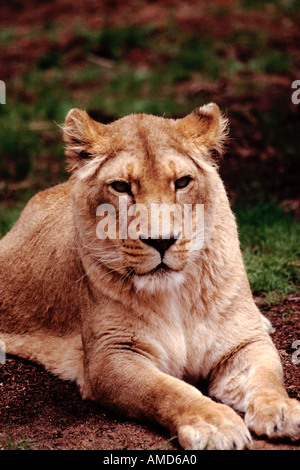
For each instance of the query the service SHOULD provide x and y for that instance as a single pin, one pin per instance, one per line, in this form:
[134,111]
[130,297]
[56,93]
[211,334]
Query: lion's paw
[222,434]
[277,417]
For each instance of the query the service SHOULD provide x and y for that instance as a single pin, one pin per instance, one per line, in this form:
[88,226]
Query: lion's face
[144,191]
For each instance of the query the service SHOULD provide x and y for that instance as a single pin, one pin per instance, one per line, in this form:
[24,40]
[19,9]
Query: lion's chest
[184,346]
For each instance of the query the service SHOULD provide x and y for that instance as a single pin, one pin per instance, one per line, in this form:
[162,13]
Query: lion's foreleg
[131,384]
[251,381]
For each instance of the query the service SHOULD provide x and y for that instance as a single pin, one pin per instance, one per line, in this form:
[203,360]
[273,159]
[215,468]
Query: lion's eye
[121,187]
[182,182]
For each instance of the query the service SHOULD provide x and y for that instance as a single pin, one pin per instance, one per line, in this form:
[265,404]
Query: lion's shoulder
[53,203]
[59,195]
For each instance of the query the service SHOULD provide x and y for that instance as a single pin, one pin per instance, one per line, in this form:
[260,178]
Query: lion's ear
[206,127]
[84,138]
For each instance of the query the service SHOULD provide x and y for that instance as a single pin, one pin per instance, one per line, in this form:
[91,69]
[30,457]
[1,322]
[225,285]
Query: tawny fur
[134,338]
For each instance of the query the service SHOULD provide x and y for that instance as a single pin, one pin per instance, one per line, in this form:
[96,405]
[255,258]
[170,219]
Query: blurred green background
[164,57]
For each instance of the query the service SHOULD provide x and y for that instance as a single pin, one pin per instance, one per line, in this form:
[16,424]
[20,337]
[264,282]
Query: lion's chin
[161,278]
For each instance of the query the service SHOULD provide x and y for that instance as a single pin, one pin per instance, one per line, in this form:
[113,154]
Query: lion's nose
[160,244]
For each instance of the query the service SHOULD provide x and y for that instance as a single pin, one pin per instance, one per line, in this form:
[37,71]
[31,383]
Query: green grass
[272,62]
[8,216]
[10,443]
[114,43]
[270,244]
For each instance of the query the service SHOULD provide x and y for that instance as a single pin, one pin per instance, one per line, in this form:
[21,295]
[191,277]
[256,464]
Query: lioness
[136,321]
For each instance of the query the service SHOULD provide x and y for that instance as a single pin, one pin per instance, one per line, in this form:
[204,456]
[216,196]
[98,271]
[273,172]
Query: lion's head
[144,191]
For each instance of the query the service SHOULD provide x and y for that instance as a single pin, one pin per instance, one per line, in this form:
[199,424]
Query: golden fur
[134,337]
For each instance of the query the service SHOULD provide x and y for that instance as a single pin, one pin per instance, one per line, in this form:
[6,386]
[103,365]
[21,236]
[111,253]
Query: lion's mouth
[160,269]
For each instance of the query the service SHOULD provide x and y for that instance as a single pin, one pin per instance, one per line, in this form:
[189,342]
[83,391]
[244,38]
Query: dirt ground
[48,413]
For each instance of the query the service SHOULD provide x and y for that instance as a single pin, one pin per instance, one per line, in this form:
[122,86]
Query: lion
[137,321]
